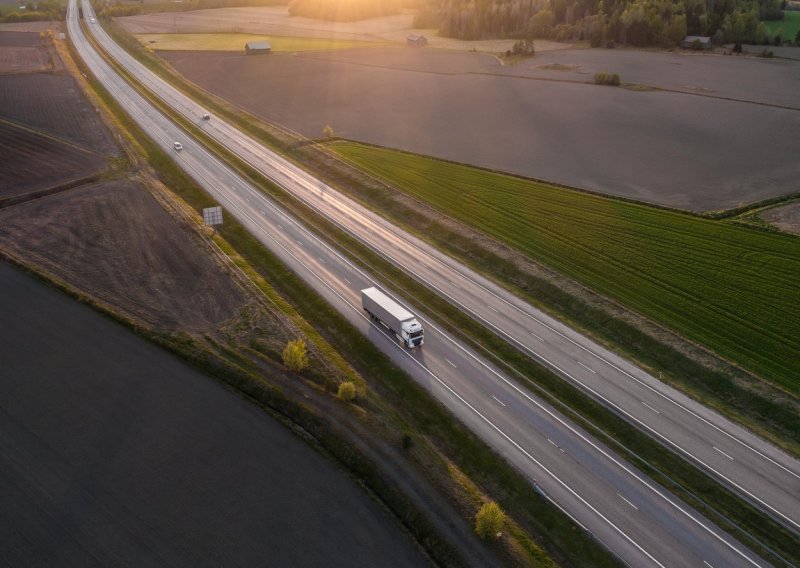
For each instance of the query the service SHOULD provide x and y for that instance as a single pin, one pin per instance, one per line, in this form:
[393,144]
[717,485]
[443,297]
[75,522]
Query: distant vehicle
[206,117]
[91,20]
[178,146]
[393,316]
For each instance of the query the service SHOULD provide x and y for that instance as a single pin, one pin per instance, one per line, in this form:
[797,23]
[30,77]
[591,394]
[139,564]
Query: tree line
[604,22]
[36,11]
[343,10]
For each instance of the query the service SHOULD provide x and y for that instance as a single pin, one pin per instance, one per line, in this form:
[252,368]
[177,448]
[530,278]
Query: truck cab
[412,334]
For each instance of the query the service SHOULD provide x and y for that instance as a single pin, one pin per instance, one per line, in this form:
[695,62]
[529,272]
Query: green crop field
[236,41]
[790,24]
[732,288]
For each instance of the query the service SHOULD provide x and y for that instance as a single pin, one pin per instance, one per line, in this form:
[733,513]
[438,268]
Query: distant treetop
[343,10]
[604,23]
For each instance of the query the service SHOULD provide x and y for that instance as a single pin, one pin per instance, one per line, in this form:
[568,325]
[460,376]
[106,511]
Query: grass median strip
[722,506]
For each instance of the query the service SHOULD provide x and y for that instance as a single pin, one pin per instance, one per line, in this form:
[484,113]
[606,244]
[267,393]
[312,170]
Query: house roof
[416,37]
[701,39]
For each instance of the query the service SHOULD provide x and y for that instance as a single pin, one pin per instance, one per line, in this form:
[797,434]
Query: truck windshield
[415,334]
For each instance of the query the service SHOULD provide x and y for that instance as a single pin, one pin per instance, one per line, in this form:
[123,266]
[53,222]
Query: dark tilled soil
[54,104]
[114,453]
[670,148]
[22,39]
[114,241]
[17,59]
[34,162]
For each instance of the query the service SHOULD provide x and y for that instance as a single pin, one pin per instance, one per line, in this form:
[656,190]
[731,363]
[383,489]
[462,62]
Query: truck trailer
[393,316]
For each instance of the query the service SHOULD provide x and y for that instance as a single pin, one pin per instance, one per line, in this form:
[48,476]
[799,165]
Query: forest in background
[607,22]
[344,10]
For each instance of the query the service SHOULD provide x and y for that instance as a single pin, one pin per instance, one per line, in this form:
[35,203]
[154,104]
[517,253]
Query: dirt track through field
[114,453]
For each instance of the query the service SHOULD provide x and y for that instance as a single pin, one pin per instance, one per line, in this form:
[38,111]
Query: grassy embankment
[729,287]
[670,470]
[790,24]
[236,41]
[424,420]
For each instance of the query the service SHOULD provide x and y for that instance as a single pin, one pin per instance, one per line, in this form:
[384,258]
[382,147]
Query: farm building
[257,47]
[704,41]
[416,40]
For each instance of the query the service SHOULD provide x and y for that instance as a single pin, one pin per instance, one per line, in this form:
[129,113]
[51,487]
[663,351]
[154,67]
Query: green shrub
[295,355]
[489,520]
[347,391]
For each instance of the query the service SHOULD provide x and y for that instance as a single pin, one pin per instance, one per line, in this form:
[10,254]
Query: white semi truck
[393,316]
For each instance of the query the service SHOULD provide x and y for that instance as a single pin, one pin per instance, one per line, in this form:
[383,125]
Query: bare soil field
[665,147]
[114,453]
[115,242]
[49,134]
[53,104]
[25,151]
[22,52]
[23,60]
[20,39]
[765,81]
[31,26]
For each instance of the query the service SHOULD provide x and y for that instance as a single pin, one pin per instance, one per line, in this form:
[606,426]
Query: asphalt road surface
[638,520]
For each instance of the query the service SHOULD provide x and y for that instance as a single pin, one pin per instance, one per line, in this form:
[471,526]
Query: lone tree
[295,355]
[489,520]
[347,391]
[327,132]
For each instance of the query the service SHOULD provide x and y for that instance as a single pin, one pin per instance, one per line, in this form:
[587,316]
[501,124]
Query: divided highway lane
[761,473]
[638,520]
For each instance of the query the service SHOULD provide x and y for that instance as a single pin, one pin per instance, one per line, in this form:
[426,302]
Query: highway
[635,518]
[761,473]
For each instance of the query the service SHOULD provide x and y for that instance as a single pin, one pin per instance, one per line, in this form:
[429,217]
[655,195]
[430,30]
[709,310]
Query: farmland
[236,41]
[27,150]
[44,120]
[52,104]
[729,287]
[116,453]
[671,145]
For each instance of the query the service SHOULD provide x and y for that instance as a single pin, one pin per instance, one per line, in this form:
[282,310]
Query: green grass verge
[557,535]
[726,509]
[236,41]
[732,288]
[790,24]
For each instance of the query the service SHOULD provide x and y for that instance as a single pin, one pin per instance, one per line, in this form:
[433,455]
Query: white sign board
[212,215]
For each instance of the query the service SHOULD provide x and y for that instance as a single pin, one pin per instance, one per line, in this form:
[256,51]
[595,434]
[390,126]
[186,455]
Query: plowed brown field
[34,161]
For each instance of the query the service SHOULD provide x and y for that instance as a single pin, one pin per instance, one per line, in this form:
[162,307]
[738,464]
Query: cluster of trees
[37,11]
[602,22]
[344,10]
